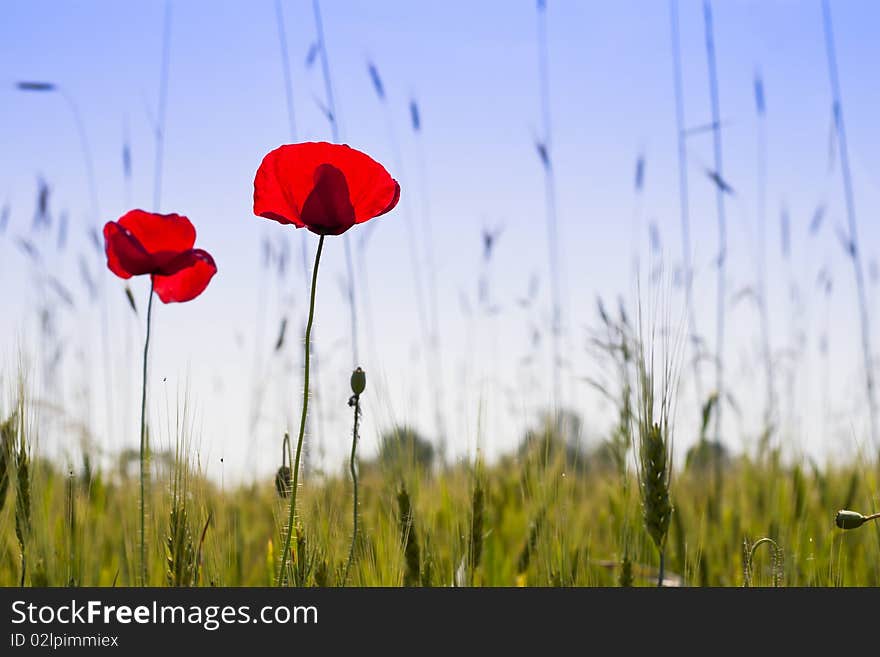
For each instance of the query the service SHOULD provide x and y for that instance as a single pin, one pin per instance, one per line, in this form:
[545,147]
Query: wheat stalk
[179,551]
[475,544]
[655,439]
[408,537]
[22,497]
[528,549]
[70,504]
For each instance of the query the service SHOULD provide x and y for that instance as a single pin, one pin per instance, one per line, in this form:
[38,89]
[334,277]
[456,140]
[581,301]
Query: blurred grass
[545,522]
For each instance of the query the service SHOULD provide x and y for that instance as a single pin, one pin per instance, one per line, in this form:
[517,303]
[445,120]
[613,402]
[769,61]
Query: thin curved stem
[302,423]
[143,552]
[353,469]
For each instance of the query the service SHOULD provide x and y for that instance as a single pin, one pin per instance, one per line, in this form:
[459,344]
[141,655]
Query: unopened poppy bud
[849,519]
[282,481]
[358,381]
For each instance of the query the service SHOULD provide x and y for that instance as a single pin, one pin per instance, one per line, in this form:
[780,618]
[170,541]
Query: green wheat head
[655,475]
[7,432]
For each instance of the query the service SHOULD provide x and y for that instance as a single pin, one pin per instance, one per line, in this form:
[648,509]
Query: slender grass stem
[364,289]
[433,306]
[722,224]
[352,466]
[325,68]
[352,303]
[143,445]
[684,197]
[302,423]
[661,569]
[417,257]
[334,126]
[160,117]
[854,251]
[550,202]
[86,149]
[285,67]
[770,410]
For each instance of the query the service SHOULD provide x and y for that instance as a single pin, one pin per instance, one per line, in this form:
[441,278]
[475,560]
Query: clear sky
[473,69]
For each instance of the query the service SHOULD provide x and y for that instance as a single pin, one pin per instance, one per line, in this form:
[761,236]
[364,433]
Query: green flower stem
[354,479]
[302,423]
[143,546]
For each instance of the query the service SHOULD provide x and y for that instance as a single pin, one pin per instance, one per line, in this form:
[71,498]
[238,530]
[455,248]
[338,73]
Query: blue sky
[472,67]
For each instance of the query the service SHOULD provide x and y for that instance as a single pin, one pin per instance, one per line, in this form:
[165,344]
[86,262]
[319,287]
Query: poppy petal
[391,204]
[160,232]
[288,176]
[373,191]
[193,271]
[278,188]
[327,209]
[126,256]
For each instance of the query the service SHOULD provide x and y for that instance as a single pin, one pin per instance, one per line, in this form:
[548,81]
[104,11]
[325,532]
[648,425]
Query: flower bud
[849,519]
[282,481]
[358,381]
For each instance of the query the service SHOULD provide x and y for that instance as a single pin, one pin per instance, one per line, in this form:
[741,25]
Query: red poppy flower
[327,188]
[160,245]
